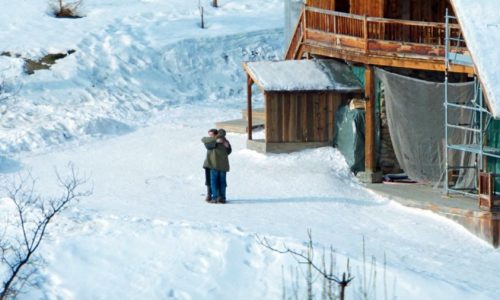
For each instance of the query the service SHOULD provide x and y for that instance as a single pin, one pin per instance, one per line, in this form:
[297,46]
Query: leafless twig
[32,214]
[308,258]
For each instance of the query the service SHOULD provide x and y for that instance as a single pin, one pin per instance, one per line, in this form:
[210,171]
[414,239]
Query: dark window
[342,6]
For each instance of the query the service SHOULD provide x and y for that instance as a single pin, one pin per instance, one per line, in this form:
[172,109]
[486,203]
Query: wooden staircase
[241,125]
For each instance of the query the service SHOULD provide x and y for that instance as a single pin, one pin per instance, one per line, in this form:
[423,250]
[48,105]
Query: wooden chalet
[407,34]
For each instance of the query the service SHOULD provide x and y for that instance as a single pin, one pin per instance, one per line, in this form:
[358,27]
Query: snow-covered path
[129,109]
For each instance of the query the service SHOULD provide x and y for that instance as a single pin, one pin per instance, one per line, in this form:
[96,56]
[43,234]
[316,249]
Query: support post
[370,120]
[370,175]
[249,106]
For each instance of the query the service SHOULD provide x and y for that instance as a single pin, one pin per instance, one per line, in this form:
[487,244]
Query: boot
[208,198]
[221,200]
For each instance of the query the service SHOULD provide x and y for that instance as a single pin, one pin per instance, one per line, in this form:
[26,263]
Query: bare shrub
[22,236]
[334,283]
[66,9]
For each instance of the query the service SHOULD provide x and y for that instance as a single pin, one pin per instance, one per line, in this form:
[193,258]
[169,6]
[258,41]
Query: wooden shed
[300,101]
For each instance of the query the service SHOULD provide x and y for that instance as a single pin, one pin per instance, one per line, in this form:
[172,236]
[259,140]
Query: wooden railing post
[335,24]
[365,32]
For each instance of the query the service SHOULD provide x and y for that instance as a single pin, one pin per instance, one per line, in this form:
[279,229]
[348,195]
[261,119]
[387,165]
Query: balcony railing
[372,36]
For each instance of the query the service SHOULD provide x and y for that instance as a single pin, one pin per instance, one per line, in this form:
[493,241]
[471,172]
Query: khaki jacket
[217,155]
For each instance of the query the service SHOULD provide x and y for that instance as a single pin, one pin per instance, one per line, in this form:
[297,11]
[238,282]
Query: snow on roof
[303,75]
[480,23]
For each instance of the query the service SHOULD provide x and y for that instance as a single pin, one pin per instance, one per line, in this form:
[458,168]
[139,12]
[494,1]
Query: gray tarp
[416,118]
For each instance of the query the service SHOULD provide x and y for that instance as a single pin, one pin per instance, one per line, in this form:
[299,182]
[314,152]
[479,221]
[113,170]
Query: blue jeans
[218,184]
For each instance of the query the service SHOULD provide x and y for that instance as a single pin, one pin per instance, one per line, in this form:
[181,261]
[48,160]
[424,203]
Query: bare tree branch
[308,259]
[302,258]
[34,214]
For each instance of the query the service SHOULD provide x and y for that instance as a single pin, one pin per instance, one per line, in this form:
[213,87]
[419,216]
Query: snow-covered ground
[129,109]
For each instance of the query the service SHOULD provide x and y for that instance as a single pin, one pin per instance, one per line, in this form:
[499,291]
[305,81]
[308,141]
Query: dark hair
[222,132]
[214,131]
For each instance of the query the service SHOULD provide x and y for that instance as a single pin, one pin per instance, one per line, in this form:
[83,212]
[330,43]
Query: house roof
[480,23]
[303,75]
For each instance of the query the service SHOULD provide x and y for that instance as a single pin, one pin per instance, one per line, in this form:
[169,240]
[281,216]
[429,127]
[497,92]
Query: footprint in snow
[154,179]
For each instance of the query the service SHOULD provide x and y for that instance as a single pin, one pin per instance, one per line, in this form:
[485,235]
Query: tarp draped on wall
[349,136]
[416,118]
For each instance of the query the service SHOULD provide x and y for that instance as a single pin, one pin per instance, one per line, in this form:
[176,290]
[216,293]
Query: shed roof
[303,75]
[480,23]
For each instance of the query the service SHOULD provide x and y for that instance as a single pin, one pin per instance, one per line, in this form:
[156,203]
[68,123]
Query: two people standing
[216,165]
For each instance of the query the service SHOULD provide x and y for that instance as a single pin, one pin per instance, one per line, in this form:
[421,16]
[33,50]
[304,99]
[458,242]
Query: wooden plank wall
[324,4]
[371,8]
[419,10]
[300,117]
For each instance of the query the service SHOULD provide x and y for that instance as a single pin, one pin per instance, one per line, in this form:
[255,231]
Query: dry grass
[69,10]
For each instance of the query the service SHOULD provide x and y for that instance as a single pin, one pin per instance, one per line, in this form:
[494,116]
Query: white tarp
[480,23]
[304,75]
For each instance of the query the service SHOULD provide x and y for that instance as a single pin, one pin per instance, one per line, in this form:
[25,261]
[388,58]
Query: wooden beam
[379,60]
[249,106]
[370,165]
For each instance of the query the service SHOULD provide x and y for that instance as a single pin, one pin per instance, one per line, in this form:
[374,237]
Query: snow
[129,109]
[303,75]
[480,23]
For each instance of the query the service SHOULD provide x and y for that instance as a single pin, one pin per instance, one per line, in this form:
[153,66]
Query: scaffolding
[475,129]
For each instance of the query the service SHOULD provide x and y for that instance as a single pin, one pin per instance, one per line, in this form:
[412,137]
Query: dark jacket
[217,154]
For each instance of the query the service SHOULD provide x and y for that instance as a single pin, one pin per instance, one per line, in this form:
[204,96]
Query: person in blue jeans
[218,150]
[210,146]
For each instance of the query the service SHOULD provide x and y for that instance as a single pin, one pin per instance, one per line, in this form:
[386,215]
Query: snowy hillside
[129,107]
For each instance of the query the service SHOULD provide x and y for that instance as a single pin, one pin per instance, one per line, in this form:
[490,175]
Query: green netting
[493,140]
[359,72]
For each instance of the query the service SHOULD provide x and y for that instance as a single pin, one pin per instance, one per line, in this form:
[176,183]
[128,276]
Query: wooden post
[202,23]
[335,25]
[370,120]
[249,106]
[365,32]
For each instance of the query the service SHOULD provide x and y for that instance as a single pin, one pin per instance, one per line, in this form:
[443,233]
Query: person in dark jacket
[212,133]
[218,162]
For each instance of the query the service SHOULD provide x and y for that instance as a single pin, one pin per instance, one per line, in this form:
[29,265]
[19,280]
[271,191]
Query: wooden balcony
[375,41]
